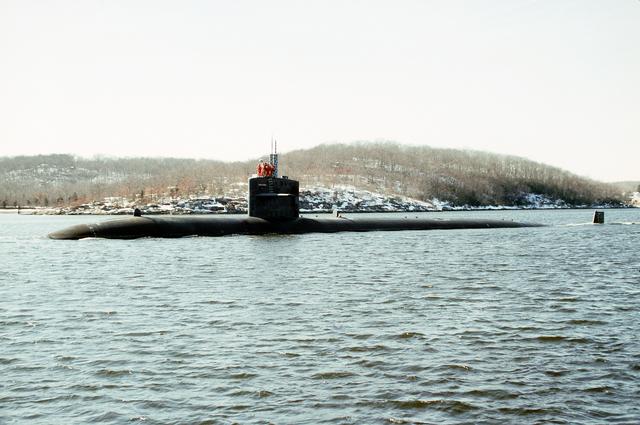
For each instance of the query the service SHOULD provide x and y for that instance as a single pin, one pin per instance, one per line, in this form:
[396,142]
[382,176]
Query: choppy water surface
[529,325]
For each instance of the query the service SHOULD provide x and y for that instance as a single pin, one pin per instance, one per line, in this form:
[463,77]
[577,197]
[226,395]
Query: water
[534,325]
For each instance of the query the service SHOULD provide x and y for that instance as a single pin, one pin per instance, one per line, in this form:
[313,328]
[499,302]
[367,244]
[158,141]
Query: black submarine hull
[176,227]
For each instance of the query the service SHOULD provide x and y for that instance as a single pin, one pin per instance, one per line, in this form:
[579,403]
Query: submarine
[273,208]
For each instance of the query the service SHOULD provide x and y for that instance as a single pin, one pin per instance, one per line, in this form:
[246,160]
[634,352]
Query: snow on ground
[167,205]
[349,199]
[535,200]
[312,199]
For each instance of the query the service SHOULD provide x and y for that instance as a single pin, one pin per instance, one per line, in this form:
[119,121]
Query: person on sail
[268,169]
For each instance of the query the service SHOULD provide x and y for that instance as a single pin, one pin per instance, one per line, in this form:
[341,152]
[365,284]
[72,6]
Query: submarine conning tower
[272,197]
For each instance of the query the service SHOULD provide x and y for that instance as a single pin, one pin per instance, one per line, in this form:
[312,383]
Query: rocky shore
[312,200]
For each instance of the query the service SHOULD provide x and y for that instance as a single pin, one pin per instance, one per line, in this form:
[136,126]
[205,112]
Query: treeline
[628,187]
[58,180]
[461,177]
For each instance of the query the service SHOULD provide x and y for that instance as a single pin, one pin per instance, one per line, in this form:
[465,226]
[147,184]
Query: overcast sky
[553,81]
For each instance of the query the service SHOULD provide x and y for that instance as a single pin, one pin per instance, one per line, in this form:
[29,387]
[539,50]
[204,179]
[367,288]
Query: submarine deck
[175,227]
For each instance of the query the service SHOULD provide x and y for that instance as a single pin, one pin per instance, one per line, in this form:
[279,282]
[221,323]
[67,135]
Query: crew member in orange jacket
[268,169]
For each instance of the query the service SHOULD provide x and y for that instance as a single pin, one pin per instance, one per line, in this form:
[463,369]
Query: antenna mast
[273,158]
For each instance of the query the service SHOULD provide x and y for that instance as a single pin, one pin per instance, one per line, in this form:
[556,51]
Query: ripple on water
[242,376]
[586,322]
[113,373]
[367,348]
[452,406]
[557,373]
[458,367]
[529,411]
[333,375]
[562,339]
[8,360]
[492,394]
[410,335]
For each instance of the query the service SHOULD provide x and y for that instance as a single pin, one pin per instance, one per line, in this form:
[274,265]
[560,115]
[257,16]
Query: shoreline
[50,212]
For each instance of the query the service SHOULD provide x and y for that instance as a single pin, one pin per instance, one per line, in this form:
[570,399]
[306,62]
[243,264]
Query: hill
[459,177]
[628,186]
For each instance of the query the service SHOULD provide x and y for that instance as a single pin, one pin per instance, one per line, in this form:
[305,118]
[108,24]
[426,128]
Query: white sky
[553,81]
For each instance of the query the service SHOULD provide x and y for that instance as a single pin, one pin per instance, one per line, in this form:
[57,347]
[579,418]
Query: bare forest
[461,177]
